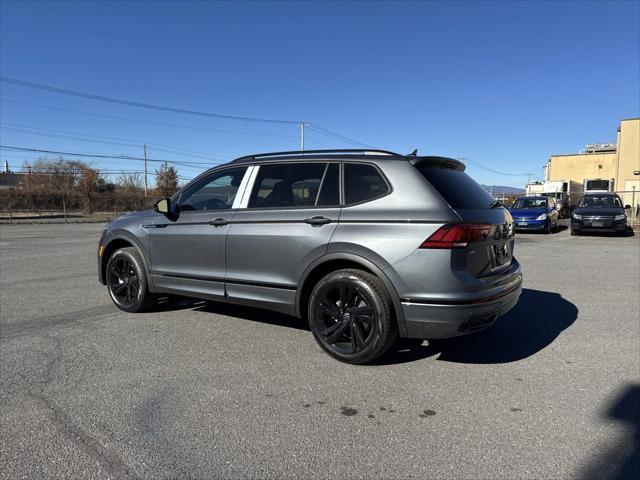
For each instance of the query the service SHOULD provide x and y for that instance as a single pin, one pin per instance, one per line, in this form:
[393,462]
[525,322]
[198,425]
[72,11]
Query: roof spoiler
[442,162]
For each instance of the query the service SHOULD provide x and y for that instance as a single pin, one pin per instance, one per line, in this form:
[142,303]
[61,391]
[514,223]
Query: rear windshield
[456,187]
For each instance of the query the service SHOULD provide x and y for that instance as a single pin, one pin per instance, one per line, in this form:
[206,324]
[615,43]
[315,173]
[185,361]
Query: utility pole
[145,170]
[302,136]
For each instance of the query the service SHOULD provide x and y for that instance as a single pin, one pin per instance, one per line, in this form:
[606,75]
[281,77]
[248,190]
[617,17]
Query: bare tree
[130,183]
[166,180]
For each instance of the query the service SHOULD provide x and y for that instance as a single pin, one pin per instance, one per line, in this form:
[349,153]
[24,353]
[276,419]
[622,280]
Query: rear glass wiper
[495,204]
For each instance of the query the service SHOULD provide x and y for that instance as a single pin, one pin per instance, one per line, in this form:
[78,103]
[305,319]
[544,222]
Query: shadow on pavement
[621,460]
[532,325]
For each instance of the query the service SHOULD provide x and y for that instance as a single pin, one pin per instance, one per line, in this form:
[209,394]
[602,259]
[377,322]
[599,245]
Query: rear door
[290,216]
[473,204]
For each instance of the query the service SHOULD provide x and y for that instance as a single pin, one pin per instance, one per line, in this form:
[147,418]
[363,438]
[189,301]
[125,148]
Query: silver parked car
[365,246]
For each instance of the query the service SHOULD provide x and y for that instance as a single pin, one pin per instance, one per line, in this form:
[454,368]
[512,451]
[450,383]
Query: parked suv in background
[366,246]
[599,212]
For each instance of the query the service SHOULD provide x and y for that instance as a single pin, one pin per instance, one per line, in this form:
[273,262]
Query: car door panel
[268,248]
[187,249]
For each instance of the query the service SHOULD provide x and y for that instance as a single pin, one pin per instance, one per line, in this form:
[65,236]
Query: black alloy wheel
[350,316]
[123,282]
[127,282]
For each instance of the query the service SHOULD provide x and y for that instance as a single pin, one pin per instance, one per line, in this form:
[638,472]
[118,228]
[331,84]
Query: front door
[188,250]
[288,221]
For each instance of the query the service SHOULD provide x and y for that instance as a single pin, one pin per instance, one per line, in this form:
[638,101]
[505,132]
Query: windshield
[531,202]
[596,201]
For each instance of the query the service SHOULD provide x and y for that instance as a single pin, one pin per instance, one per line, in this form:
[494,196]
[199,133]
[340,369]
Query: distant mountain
[498,189]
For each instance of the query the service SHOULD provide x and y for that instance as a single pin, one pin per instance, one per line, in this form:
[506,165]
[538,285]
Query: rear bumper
[458,317]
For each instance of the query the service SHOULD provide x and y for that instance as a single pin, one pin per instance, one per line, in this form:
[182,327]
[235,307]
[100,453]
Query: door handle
[219,222]
[317,220]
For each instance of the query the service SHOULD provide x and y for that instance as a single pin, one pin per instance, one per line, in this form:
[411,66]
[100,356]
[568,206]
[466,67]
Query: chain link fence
[70,207]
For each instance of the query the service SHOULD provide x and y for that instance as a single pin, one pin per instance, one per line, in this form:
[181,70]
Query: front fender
[120,234]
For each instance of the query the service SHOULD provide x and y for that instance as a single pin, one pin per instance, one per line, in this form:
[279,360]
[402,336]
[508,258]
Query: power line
[49,88]
[103,156]
[130,103]
[169,149]
[163,124]
[497,172]
[336,136]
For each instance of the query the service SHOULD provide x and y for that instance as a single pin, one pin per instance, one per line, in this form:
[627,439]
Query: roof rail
[363,151]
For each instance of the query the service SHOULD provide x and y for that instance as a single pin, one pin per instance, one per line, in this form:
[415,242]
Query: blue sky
[503,84]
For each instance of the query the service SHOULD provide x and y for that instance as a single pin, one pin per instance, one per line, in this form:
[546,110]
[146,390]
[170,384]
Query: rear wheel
[350,316]
[127,281]
[574,232]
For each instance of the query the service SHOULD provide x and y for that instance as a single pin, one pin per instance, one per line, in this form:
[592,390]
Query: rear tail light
[457,235]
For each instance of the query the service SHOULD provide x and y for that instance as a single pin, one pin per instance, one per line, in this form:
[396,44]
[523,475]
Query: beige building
[618,163]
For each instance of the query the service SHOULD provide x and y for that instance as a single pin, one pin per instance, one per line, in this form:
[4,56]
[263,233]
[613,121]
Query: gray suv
[365,246]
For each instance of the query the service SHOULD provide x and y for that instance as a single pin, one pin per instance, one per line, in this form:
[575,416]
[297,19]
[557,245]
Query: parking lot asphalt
[203,390]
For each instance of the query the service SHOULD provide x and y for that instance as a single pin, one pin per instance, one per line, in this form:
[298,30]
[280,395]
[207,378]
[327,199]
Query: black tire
[574,232]
[127,281]
[549,228]
[350,316]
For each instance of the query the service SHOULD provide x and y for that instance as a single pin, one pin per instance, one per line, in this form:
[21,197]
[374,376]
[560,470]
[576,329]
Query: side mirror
[627,207]
[163,206]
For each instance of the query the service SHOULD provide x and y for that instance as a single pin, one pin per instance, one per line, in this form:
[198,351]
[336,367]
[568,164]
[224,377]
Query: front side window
[296,185]
[362,183]
[215,192]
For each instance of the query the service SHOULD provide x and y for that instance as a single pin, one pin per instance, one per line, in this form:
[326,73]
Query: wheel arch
[117,241]
[338,261]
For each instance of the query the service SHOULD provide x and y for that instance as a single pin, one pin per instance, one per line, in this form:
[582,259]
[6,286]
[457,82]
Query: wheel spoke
[118,288]
[332,328]
[329,308]
[363,310]
[114,270]
[335,335]
[343,295]
[356,336]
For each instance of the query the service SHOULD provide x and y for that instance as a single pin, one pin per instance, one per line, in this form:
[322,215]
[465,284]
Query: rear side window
[456,187]
[296,185]
[362,183]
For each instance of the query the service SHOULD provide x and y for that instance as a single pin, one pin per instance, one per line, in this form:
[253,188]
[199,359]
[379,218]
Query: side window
[295,185]
[215,192]
[362,183]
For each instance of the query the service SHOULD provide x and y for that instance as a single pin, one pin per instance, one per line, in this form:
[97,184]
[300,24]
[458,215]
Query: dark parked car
[366,246]
[535,213]
[599,212]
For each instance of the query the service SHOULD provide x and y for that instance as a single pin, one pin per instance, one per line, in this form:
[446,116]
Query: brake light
[457,235]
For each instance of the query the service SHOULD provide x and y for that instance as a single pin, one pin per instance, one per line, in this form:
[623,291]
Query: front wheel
[350,316]
[127,281]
